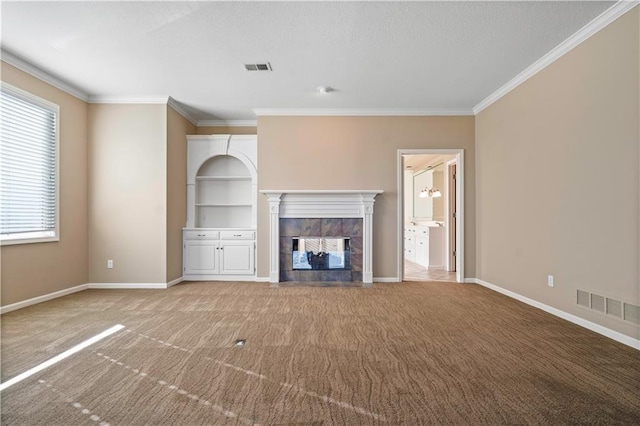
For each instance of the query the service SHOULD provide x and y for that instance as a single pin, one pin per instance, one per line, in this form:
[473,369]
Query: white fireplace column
[274,243]
[321,204]
[367,239]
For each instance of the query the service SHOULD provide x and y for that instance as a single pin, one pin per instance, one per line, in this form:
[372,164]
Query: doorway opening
[430,215]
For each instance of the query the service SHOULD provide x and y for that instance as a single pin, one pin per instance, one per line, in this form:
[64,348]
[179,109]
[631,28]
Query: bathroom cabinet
[424,245]
[410,244]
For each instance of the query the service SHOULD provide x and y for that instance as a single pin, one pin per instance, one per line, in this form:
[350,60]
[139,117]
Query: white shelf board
[222,205]
[223,177]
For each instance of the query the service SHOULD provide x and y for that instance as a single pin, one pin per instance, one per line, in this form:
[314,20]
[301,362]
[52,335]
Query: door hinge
[454,214]
[454,253]
[454,176]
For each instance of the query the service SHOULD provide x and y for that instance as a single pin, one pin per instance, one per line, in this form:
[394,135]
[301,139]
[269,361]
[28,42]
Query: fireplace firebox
[321,253]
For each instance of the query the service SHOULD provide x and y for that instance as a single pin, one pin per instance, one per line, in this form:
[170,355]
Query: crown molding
[361,112]
[43,75]
[128,99]
[181,110]
[227,123]
[601,21]
[153,100]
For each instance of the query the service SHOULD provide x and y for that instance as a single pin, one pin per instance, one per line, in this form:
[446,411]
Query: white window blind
[28,166]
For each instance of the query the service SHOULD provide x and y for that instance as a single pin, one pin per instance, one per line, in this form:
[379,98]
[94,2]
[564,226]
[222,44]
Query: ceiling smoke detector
[324,89]
[258,67]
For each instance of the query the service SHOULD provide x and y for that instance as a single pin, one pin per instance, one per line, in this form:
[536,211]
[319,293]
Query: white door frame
[459,153]
[447,216]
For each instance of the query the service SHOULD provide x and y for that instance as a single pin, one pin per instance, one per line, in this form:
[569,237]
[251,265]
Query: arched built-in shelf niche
[222,181]
[224,194]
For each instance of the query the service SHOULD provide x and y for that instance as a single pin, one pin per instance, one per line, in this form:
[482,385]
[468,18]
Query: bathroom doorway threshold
[418,273]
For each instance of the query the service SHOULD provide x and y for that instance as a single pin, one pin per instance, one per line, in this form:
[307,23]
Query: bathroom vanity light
[430,192]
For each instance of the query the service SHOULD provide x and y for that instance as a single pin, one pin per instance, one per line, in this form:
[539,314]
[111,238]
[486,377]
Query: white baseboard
[218,277]
[386,279]
[607,332]
[174,282]
[43,298]
[375,280]
[126,285]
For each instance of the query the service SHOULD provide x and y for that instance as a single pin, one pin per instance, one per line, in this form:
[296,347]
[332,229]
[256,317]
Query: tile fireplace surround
[328,227]
[318,205]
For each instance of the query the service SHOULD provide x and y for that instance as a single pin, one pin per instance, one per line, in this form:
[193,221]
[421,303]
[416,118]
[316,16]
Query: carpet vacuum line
[259,376]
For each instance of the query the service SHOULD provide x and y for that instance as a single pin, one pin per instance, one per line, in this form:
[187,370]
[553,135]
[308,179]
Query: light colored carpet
[409,353]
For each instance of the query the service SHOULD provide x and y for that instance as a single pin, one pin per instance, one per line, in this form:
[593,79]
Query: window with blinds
[28,167]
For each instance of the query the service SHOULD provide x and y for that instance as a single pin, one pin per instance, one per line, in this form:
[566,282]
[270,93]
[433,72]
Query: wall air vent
[258,67]
[614,307]
[584,299]
[632,313]
[607,305]
[598,303]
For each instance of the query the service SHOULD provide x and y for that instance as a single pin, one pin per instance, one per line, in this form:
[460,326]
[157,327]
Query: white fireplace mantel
[321,204]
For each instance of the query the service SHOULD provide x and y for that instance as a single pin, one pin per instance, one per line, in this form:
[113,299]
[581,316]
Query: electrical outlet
[550,281]
[110,264]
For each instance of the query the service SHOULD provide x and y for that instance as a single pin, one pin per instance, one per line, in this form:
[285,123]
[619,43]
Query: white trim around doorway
[447,218]
[459,153]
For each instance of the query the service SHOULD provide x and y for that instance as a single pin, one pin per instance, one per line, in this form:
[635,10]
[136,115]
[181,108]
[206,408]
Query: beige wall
[177,129]
[31,270]
[226,130]
[128,193]
[357,153]
[558,178]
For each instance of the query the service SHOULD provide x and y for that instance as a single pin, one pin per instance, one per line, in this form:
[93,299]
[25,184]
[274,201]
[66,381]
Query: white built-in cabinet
[219,241]
[219,253]
[424,245]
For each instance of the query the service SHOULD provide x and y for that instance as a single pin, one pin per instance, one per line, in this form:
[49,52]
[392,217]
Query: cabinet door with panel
[237,257]
[201,257]
[422,251]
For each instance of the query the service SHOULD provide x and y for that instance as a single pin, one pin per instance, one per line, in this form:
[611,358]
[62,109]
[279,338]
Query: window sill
[28,238]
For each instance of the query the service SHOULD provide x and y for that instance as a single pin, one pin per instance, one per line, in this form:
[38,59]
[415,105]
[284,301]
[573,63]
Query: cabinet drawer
[201,235]
[237,235]
[422,232]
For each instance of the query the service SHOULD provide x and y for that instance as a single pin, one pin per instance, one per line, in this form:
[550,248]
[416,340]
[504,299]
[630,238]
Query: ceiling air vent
[258,67]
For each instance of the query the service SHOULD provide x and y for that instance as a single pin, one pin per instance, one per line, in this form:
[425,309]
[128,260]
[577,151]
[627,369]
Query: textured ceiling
[377,55]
